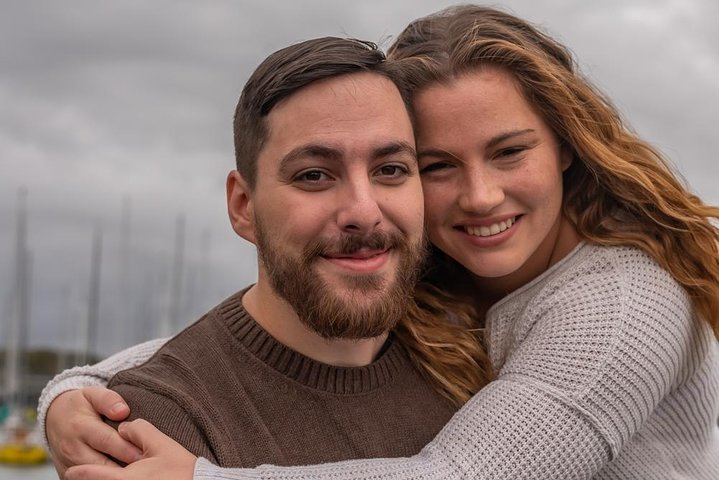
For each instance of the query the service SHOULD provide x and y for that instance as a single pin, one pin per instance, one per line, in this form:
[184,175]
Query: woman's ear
[240,206]
[566,156]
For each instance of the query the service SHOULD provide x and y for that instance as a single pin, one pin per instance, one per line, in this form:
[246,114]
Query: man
[301,367]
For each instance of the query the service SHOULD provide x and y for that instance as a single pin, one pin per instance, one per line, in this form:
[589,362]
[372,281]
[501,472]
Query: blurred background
[116,137]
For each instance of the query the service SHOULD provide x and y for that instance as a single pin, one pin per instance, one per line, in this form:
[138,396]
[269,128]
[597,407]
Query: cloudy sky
[116,117]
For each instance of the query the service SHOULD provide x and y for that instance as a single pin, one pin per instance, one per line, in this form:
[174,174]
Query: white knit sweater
[604,372]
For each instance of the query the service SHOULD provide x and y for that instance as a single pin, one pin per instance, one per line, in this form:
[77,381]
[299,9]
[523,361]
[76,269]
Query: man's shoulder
[183,353]
[188,356]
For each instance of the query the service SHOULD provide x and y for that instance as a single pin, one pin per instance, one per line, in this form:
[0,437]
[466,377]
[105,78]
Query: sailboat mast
[18,321]
[125,320]
[93,309]
[175,310]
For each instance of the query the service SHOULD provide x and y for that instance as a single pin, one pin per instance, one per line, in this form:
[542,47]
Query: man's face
[337,206]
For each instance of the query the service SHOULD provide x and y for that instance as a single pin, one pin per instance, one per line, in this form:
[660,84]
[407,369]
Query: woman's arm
[491,437]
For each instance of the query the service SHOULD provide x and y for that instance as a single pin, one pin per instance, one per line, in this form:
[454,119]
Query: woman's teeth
[488,231]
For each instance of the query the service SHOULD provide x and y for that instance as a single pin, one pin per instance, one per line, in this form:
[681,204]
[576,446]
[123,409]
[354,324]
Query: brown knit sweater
[228,391]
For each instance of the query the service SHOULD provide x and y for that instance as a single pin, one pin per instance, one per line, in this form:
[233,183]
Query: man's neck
[279,320]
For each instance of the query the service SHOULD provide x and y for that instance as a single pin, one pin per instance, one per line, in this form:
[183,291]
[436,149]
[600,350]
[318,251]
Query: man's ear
[240,206]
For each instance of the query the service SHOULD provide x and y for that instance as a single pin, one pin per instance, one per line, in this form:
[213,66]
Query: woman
[595,271]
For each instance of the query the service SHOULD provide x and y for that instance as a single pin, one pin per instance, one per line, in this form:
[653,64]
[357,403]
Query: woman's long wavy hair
[618,190]
[445,343]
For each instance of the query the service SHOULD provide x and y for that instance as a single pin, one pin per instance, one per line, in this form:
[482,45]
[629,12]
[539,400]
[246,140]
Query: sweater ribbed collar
[302,369]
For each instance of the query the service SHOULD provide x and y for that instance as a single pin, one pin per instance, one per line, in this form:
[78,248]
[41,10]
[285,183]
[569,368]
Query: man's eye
[312,176]
[392,171]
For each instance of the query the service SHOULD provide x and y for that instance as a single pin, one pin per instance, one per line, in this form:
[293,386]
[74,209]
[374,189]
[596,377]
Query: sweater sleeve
[495,435]
[92,376]
[590,360]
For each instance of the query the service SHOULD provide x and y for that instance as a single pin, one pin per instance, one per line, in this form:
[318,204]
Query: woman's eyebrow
[493,142]
[507,135]
[436,152]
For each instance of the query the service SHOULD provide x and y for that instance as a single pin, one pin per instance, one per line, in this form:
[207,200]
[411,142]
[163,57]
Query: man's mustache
[348,244]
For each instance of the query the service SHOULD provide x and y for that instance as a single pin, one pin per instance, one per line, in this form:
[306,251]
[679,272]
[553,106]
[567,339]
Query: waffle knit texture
[228,391]
[604,371]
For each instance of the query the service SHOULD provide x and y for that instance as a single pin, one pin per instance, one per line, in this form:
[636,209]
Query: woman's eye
[511,151]
[434,167]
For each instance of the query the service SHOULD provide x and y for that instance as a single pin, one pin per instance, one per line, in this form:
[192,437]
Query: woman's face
[492,176]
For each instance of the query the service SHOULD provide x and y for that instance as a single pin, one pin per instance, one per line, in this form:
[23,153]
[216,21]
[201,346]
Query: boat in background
[19,442]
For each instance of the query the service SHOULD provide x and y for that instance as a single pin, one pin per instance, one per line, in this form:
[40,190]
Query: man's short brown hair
[286,71]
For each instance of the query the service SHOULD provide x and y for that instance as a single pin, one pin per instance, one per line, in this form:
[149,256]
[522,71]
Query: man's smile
[362,261]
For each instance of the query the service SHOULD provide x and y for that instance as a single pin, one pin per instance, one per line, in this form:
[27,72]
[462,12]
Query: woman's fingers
[105,439]
[94,472]
[107,403]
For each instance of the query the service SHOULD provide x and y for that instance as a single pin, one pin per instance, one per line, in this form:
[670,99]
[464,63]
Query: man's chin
[354,314]
[351,286]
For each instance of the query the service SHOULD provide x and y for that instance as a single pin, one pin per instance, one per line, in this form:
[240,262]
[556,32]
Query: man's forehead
[355,87]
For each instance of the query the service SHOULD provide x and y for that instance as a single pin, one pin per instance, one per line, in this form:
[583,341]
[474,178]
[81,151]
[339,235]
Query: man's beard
[352,315]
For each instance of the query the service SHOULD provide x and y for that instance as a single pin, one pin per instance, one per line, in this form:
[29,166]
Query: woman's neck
[560,242]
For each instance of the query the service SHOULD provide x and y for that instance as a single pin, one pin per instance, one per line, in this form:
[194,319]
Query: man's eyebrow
[394,148]
[312,150]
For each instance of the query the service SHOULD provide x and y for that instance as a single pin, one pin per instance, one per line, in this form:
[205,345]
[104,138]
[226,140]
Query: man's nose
[359,210]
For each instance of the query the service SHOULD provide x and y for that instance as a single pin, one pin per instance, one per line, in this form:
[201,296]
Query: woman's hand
[77,435]
[162,458]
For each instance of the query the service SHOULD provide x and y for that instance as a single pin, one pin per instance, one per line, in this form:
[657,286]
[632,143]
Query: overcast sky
[126,106]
